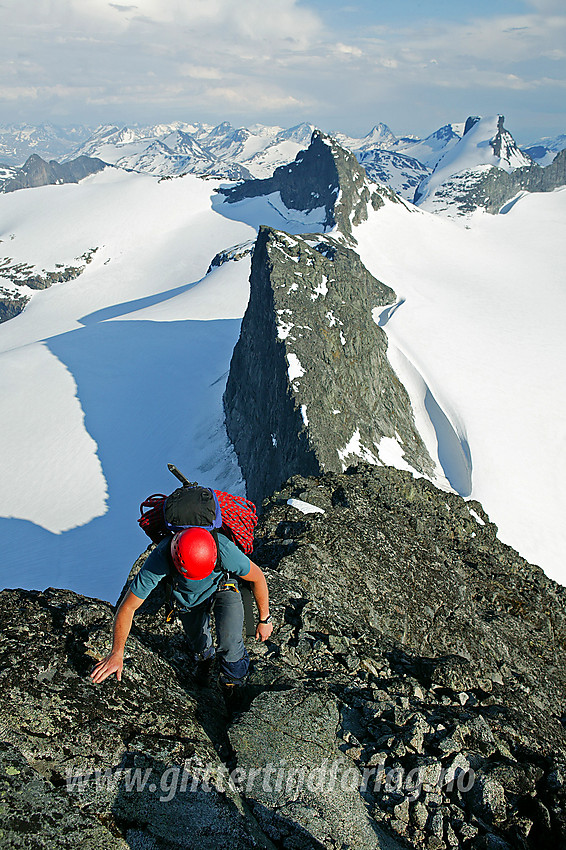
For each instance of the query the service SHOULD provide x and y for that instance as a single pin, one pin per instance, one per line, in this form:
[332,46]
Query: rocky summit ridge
[411,696]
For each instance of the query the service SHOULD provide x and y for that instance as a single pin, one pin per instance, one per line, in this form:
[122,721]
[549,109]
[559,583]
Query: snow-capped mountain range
[120,365]
[415,168]
[19,141]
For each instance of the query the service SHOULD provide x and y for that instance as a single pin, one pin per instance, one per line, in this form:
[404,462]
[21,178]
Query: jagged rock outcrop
[325,176]
[497,187]
[22,279]
[104,760]
[325,392]
[36,172]
[11,304]
[412,695]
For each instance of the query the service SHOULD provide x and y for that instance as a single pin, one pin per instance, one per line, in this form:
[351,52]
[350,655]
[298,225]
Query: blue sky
[412,64]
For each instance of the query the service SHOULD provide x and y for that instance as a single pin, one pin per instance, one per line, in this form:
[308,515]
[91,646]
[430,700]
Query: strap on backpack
[169,599]
[248,603]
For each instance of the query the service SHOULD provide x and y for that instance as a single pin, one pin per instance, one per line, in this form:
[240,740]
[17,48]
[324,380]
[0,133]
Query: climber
[190,557]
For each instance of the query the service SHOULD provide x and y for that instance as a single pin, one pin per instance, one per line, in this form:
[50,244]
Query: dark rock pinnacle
[310,387]
[322,176]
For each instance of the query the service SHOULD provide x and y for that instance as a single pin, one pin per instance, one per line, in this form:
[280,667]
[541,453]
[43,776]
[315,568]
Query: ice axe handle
[179,475]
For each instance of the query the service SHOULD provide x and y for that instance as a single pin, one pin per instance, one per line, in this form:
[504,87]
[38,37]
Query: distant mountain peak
[471,122]
[505,147]
[37,172]
[380,134]
[485,144]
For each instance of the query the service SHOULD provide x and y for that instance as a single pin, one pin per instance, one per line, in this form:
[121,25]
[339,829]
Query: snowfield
[106,378]
[478,341]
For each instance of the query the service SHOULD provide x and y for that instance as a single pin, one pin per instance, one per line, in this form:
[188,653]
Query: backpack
[163,516]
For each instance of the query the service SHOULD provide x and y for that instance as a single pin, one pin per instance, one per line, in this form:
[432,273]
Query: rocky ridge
[325,392]
[18,281]
[416,675]
[485,147]
[497,187]
[36,172]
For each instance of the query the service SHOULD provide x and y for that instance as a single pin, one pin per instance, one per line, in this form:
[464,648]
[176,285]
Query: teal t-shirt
[188,592]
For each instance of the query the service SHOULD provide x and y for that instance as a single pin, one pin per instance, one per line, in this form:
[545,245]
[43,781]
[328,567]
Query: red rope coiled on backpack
[239,518]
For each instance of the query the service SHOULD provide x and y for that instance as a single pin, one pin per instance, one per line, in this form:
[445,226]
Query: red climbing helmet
[194,552]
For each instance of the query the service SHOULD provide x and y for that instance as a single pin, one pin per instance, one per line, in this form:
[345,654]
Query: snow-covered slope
[401,163]
[485,144]
[401,173]
[283,148]
[483,363]
[430,150]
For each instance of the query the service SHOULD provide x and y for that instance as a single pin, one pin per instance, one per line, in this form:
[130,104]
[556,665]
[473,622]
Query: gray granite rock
[303,778]
[426,665]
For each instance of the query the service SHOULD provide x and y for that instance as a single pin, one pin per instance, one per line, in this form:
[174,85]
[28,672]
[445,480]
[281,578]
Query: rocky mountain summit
[325,390]
[323,177]
[411,696]
[36,172]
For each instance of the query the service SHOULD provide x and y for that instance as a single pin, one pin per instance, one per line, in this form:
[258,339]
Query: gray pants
[228,621]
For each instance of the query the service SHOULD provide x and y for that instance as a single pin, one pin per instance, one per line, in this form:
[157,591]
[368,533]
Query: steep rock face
[310,387]
[36,172]
[323,176]
[505,147]
[412,691]
[498,187]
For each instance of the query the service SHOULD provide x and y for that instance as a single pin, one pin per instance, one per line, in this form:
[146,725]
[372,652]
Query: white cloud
[199,72]
[95,52]
[17,93]
[265,99]
[253,20]
[348,50]
[504,51]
